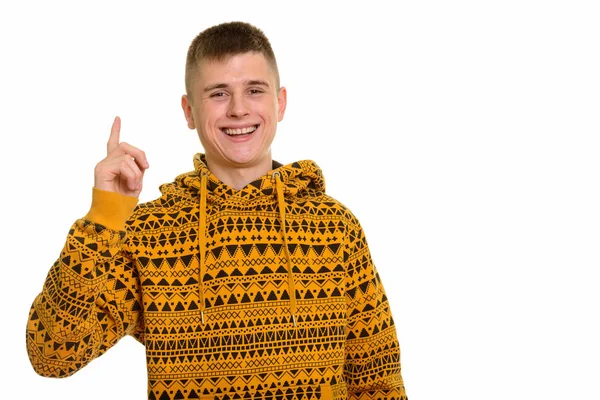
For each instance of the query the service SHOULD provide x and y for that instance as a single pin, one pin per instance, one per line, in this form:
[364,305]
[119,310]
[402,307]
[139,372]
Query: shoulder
[327,206]
[174,202]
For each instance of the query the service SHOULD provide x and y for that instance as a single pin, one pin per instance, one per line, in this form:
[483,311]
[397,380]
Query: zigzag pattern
[146,283]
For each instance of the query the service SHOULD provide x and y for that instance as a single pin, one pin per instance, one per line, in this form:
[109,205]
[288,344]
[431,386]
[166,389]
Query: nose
[238,107]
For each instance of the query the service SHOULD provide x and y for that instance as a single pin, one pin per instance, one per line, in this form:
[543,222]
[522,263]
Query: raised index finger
[113,140]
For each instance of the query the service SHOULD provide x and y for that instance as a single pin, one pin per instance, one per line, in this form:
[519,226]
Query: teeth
[242,131]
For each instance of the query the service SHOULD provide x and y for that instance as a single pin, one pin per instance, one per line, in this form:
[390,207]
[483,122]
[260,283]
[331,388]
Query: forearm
[373,367]
[75,317]
[372,370]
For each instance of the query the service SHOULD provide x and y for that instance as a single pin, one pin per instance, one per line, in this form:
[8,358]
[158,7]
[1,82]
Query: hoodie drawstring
[291,285]
[202,242]
[202,238]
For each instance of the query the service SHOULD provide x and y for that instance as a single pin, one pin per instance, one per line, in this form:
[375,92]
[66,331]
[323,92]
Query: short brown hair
[224,40]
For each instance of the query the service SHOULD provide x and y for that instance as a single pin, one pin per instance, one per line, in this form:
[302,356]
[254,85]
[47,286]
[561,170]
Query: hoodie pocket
[302,392]
[326,393]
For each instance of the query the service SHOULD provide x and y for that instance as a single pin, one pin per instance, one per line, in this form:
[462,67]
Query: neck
[239,177]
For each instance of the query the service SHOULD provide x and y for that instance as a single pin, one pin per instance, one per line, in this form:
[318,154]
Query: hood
[299,179]
[284,184]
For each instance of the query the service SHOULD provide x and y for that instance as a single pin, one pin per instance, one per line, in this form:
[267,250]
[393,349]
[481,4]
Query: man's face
[235,107]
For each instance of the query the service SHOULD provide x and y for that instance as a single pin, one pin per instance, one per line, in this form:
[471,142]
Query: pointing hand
[122,171]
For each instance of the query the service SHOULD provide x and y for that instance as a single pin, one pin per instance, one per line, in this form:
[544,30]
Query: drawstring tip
[202,315]
[294,319]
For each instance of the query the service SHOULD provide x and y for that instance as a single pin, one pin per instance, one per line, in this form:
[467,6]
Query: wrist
[110,209]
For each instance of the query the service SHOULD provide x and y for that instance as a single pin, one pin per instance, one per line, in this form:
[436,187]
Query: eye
[218,95]
[255,91]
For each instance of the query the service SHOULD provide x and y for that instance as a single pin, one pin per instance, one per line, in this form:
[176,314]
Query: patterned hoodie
[268,292]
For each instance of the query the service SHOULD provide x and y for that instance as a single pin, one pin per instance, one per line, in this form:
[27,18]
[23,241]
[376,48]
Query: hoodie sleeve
[90,298]
[372,366]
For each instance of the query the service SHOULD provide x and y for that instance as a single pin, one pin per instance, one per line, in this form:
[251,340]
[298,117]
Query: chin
[241,159]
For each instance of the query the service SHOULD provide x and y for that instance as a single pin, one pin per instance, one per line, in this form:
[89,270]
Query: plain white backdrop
[464,135]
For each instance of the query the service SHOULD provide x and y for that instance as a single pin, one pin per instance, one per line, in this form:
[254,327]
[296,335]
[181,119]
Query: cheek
[209,115]
[268,111]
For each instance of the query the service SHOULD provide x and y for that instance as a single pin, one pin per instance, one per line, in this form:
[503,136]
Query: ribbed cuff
[110,209]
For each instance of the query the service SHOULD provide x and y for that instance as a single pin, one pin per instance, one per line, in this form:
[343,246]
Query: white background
[463,134]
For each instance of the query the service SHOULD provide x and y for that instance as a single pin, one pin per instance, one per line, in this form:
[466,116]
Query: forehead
[234,69]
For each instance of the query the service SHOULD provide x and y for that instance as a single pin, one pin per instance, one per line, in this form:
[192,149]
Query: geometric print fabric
[247,343]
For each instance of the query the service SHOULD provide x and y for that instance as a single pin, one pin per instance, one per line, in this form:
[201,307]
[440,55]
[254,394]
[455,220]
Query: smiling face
[235,106]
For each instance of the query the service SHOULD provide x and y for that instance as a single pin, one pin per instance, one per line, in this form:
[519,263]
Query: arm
[91,296]
[372,368]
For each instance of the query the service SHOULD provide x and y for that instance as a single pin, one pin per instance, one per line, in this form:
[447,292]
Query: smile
[239,131]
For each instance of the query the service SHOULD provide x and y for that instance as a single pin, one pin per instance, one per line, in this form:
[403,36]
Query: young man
[243,280]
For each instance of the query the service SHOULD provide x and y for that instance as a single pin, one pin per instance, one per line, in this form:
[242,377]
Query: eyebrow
[253,82]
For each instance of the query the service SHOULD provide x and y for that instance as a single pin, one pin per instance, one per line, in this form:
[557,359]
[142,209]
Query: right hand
[122,171]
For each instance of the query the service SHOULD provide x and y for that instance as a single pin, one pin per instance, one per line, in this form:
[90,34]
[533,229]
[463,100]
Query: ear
[281,103]
[187,111]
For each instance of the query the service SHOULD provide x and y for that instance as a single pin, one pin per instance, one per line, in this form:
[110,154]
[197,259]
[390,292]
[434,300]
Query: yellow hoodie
[268,292]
